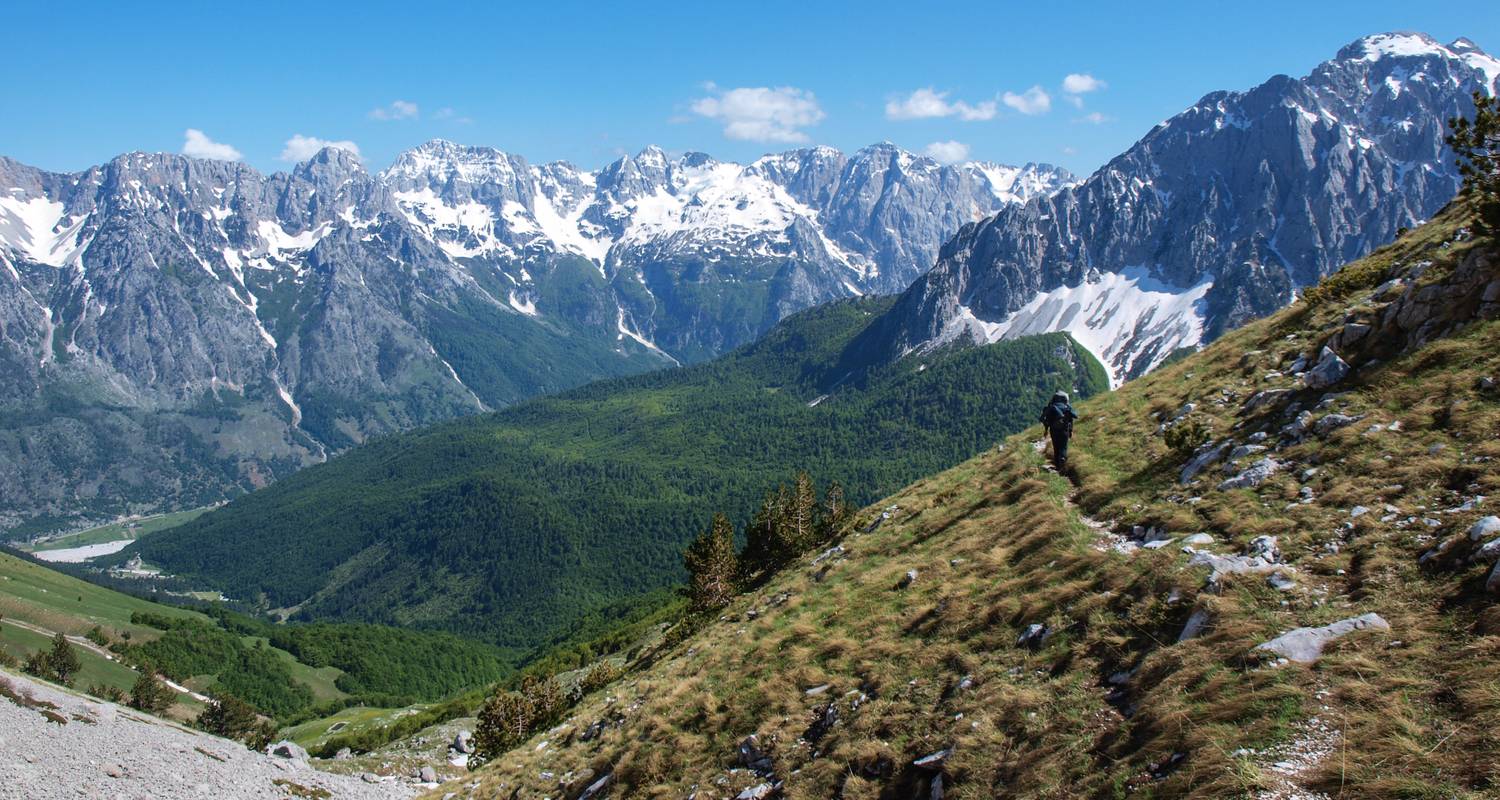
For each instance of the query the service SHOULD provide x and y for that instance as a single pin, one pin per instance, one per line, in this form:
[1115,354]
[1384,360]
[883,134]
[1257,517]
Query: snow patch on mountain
[1128,320]
[39,229]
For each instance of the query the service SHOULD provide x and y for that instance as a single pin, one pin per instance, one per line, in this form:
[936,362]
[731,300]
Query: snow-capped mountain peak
[1216,216]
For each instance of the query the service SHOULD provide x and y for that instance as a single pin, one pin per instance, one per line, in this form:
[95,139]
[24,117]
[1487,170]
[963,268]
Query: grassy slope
[512,525]
[1001,543]
[57,603]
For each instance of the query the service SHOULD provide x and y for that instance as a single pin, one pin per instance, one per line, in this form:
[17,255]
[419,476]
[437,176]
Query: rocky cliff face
[172,329]
[1217,216]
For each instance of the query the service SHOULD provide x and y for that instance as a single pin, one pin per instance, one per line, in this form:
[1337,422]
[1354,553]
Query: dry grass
[998,545]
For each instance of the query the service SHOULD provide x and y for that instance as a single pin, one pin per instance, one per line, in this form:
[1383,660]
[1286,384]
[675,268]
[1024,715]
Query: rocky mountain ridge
[1217,216]
[175,329]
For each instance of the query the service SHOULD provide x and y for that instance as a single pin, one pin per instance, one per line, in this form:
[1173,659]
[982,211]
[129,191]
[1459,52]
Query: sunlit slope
[1040,648]
[512,526]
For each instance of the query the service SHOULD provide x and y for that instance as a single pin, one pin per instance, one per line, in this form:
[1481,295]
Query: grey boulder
[1305,645]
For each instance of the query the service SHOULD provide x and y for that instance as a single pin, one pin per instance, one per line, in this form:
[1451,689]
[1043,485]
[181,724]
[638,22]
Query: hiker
[1057,419]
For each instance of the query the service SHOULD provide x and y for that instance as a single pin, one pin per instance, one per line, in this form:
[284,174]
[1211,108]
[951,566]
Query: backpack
[1058,415]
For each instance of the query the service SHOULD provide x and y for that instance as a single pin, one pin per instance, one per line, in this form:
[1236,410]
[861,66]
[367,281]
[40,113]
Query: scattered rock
[1254,476]
[753,758]
[596,788]
[836,550]
[758,792]
[1305,645]
[1195,624]
[1329,370]
[427,775]
[1486,526]
[1264,547]
[1264,398]
[287,749]
[1246,450]
[1358,511]
[908,579]
[933,761]
[1488,553]
[1157,544]
[1333,422]
[463,742]
[1205,457]
[1033,636]
[824,719]
[817,690]
[1281,582]
[344,754]
[1198,538]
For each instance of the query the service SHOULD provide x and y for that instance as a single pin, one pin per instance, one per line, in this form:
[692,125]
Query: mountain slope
[512,525]
[176,330]
[1214,218]
[1043,649]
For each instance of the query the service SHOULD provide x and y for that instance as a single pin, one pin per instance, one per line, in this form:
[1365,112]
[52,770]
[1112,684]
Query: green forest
[513,526]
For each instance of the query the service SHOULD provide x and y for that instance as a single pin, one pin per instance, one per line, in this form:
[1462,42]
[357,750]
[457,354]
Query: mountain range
[176,330]
[1217,216]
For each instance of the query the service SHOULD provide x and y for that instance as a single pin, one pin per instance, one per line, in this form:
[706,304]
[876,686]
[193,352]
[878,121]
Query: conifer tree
[149,694]
[1476,144]
[836,511]
[62,660]
[712,566]
[39,665]
[801,518]
[763,535]
[229,717]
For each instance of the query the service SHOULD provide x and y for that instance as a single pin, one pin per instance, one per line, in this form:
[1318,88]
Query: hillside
[289,672]
[512,525]
[1099,634]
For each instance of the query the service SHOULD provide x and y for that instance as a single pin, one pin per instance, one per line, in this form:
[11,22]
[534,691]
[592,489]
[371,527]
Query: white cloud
[947,152]
[446,113]
[761,114]
[1031,102]
[301,148]
[398,109]
[196,144]
[1095,118]
[929,103]
[1082,83]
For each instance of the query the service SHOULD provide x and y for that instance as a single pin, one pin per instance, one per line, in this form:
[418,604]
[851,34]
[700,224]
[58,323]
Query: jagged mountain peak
[1215,217]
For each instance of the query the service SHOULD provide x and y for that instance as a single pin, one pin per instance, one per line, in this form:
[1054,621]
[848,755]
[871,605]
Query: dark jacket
[1058,416]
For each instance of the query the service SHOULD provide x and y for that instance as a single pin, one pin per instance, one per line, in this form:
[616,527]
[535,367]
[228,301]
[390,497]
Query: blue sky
[586,82]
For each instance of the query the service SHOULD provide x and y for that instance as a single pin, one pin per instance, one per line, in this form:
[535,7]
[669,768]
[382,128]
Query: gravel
[106,750]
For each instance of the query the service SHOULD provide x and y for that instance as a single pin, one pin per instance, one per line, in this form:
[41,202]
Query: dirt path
[77,640]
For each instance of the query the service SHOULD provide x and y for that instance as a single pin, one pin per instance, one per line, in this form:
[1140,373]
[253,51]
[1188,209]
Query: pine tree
[1476,144]
[763,535]
[836,512]
[39,665]
[801,518]
[149,694]
[712,566]
[229,717]
[62,660]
